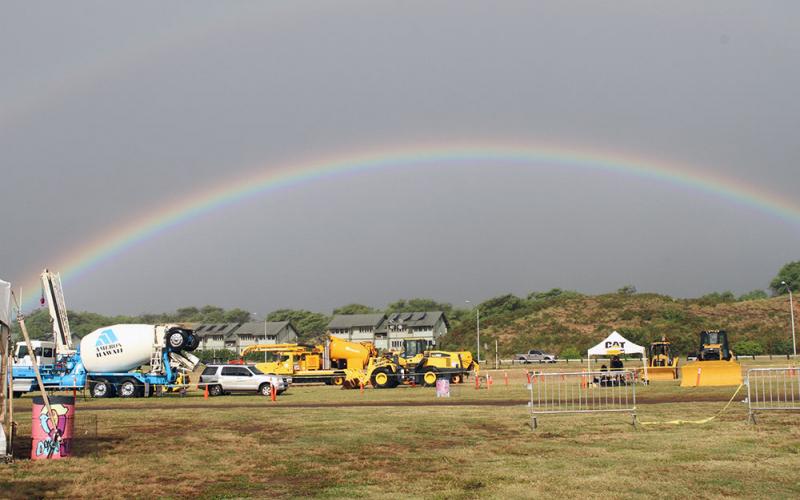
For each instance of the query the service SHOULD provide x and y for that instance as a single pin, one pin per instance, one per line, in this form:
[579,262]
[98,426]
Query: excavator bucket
[659,373]
[709,373]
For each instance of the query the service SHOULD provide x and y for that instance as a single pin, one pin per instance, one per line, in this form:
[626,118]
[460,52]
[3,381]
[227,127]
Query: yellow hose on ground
[703,421]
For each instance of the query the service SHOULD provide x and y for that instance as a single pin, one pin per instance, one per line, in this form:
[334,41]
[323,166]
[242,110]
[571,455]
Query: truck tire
[429,377]
[265,389]
[523,360]
[129,388]
[194,343]
[215,390]
[382,379]
[176,338]
[101,388]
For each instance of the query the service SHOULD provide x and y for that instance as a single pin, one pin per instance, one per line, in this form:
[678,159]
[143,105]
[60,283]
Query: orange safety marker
[583,380]
[488,382]
[529,377]
[205,392]
[505,376]
[697,383]
[273,392]
[477,382]
[361,386]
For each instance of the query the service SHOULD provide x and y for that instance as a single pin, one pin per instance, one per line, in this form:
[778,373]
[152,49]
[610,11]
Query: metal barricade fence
[582,392]
[772,389]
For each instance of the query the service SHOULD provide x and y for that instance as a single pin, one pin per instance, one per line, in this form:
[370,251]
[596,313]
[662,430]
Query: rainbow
[268,179]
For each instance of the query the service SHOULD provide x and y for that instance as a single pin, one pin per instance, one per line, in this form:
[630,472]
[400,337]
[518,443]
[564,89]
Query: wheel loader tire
[337,380]
[456,378]
[382,379]
[429,377]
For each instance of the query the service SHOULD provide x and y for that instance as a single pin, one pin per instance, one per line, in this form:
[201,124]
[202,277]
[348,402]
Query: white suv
[223,379]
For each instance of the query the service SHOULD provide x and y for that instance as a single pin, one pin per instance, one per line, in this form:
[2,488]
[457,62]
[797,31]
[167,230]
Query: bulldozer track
[157,405]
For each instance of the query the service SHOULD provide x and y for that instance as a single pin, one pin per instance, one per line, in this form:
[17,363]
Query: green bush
[748,348]
[570,353]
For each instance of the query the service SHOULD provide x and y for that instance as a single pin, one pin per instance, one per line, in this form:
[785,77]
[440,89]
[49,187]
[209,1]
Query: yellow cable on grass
[703,421]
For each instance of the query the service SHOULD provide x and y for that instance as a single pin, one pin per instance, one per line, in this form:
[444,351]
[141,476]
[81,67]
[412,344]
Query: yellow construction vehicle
[715,364]
[415,364]
[662,365]
[322,363]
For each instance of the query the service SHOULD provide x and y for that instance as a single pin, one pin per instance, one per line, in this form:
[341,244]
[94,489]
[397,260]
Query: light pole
[478,331]
[791,316]
[255,316]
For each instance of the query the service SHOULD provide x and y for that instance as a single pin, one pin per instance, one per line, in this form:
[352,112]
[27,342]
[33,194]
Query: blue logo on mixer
[106,337]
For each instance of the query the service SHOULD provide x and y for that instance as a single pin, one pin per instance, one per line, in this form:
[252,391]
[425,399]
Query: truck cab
[43,350]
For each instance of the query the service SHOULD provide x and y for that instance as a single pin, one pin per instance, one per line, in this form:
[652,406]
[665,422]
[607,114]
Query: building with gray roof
[388,331]
[236,336]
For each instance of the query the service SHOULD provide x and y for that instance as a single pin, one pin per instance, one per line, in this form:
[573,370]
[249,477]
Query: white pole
[496,356]
[791,316]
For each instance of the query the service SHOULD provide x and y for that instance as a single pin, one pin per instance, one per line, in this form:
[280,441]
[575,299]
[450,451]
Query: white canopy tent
[617,345]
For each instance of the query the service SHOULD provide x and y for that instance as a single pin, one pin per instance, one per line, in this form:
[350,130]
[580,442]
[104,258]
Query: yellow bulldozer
[715,364]
[327,363]
[661,364]
[415,364]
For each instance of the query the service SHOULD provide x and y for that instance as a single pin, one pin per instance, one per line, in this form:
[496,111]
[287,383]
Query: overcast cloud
[110,110]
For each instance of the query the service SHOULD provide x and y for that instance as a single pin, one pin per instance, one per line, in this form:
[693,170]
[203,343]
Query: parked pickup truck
[534,356]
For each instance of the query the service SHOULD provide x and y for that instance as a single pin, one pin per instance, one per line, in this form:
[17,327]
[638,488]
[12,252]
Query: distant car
[534,356]
[223,379]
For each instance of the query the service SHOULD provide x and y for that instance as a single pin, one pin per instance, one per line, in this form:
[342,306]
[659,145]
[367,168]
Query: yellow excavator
[661,364]
[715,364]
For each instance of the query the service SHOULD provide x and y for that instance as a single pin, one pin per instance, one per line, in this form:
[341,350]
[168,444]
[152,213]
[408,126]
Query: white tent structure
[617,345]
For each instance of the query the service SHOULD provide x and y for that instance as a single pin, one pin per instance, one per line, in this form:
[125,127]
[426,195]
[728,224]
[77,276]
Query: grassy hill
[575,321]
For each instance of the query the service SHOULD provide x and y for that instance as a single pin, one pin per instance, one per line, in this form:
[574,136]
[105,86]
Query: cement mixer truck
[109,360]
[328,363]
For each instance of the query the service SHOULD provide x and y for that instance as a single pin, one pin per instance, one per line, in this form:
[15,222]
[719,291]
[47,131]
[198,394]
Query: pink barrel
[45,445]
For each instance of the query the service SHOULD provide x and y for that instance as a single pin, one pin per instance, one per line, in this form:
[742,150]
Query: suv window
[210,370]
[236,371]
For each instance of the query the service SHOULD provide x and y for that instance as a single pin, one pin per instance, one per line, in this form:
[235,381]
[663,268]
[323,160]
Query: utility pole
[791,316]
[478,331]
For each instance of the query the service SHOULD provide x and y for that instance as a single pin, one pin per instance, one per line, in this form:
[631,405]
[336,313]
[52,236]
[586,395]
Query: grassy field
[246,446]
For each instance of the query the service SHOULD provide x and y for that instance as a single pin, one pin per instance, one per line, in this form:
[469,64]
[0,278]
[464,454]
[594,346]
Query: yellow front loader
[661,364]
[413,365]
[715,364]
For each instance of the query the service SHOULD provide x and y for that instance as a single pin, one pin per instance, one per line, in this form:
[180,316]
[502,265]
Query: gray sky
[109,111]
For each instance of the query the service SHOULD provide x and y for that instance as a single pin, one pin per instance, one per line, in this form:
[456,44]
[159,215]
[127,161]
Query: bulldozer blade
[659,373]
[710,373]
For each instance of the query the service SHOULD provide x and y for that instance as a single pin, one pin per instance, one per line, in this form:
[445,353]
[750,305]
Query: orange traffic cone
[205,392]
[273,393]
[505,377]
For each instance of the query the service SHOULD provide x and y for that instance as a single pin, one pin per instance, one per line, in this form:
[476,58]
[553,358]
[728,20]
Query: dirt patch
[650,399]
